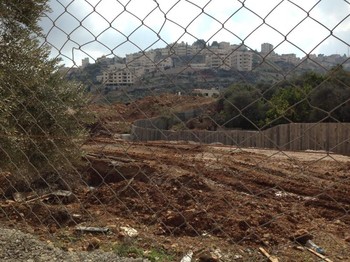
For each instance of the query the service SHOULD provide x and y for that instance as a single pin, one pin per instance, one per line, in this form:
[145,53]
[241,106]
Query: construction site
[222,203]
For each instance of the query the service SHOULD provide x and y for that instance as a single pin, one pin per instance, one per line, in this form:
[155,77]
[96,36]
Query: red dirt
[182,196]
[190,195]
[116,118]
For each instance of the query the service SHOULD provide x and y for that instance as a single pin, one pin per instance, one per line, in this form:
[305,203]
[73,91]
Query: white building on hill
[118,75]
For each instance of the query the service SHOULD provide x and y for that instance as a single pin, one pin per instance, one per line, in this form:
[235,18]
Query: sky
[76,29]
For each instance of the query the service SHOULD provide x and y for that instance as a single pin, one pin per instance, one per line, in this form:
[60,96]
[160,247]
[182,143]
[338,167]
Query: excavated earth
[220,202]
[183,196]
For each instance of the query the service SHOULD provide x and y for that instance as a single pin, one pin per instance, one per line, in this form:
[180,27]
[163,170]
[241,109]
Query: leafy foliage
[243,107]
[310,97]
[41,114]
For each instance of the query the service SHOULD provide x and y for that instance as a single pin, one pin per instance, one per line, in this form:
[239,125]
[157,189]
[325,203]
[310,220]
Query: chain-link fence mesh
[198,130]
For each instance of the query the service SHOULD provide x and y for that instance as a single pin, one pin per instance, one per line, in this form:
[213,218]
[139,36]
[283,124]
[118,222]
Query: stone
[93,244]
[129,231]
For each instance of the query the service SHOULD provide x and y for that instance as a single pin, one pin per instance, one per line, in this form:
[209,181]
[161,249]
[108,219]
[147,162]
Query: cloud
[95,27]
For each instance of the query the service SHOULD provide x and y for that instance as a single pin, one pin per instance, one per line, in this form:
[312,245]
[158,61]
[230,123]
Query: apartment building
[222,55]
[226,56]
[145,62]
[85,62]
[118,75]
[180,49]
[242,60]
[288,58]
[266,48]
[141,62]
[218,58]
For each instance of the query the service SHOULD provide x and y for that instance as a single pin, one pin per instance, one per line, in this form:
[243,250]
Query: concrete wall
[332,137]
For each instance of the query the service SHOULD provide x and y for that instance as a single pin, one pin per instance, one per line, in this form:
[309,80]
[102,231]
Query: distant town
[199,56]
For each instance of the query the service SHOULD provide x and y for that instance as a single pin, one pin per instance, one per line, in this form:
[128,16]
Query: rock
[266,235]
[236,257]
[217,253]
[93,244]
[212,256]
[174,219]
[129,231]
[187,257]
[207,258]
[53,229]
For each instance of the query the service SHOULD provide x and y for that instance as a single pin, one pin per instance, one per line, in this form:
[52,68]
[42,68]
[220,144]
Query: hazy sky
[92,28]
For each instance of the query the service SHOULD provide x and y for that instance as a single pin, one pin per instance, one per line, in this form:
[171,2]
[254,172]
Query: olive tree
[42,115]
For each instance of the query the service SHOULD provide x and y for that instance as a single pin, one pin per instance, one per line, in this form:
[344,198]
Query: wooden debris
[319,255]
[62,196]
[300,248]
[271,258]
[41,197]
[26,196]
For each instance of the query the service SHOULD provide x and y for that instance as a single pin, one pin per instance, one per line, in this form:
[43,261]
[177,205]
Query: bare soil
[218,201]
[183,196]
[117,118]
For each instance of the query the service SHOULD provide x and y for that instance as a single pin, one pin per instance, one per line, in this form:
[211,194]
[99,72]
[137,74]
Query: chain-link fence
[176,130]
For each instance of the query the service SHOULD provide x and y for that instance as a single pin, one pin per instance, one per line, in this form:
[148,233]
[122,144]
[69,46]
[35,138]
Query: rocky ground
[17,246]
[160,201]
[217,201]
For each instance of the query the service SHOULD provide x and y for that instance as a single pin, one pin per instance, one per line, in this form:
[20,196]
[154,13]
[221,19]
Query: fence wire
[174,130]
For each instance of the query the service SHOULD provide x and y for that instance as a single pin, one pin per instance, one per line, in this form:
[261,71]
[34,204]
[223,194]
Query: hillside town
[200,56]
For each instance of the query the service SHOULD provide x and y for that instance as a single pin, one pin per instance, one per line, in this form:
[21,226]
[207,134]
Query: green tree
[41,114]
[330,99]
[289,101]
[289,104]
[242,107]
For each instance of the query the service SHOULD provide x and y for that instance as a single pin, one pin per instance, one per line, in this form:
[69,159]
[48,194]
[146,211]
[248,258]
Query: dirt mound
[116,118]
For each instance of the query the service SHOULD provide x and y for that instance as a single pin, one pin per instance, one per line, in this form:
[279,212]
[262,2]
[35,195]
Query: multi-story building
[288,58]
[164,63]
[230,56]
[118,75]
[225,45]
[222,55]
[218,58]
[178,49]
[85,62]
[145,62]
[242,60]
[266,48]
[142,62]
